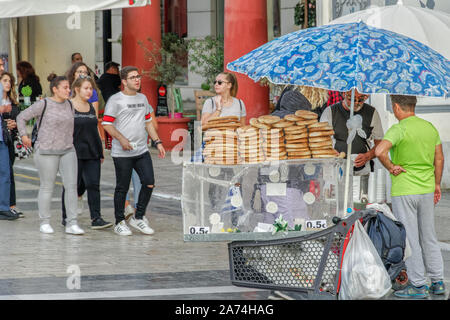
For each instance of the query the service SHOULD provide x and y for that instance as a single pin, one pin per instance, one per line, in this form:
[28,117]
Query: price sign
[198,230]
[314,225]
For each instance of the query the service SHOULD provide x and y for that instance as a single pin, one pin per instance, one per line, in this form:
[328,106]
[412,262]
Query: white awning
[25,8]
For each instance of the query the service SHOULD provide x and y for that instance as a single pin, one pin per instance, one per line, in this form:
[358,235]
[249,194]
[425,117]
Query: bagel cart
[242,204]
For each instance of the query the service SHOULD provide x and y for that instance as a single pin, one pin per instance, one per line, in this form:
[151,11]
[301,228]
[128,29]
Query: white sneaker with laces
[46,228]
[80,205]
[75,229]
[122,229]
[141,225]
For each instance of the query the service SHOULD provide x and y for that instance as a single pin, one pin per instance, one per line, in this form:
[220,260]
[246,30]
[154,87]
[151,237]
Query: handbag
[34,133]
[20,150]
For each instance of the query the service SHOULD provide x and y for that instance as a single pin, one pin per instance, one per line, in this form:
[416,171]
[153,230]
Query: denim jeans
[124,166]
[136,188]
[5,177]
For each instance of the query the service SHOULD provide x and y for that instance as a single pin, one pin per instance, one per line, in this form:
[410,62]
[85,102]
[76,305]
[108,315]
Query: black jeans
[12,194]
[124,166]
[88,180]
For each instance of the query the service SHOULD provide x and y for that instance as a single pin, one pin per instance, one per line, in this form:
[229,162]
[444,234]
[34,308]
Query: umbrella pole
[349,153]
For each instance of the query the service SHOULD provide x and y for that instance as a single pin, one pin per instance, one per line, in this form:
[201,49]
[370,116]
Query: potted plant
[167,65]
[26,92]
[206,58]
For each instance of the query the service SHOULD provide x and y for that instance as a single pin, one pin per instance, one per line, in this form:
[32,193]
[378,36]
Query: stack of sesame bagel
[221,144]
[320,142]
[250,144]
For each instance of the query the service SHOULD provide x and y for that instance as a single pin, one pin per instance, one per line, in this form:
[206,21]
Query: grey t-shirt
[129,115]
[234,110]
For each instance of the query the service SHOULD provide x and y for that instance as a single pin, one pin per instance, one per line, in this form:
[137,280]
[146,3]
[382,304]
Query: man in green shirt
[416,165]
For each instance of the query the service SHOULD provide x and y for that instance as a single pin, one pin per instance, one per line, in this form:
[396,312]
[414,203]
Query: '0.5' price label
[313,225]
[198,230]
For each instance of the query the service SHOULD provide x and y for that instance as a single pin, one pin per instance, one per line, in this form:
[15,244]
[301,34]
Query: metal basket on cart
[308,264]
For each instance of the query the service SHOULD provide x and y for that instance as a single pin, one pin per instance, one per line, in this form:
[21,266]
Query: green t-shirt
[414,142]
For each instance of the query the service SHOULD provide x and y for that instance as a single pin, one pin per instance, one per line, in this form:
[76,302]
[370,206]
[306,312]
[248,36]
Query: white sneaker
[46,228]
[75,229]
[80,206]
[122,229]
[129,211]
[141,225]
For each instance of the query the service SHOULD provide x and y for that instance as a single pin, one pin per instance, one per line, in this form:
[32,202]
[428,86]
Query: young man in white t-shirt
[128,120]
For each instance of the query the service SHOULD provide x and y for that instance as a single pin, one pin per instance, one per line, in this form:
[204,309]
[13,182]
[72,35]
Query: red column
[139,24]
[245,30]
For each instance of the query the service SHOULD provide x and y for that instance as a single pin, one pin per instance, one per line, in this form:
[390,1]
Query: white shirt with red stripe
[128,114]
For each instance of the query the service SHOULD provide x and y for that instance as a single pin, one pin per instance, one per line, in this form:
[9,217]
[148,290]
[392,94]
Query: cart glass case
[242,202]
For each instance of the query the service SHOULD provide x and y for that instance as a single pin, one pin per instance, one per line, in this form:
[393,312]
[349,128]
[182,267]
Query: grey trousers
[416,212]
[48,167]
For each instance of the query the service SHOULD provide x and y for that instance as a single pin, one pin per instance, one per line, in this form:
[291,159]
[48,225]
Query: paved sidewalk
[161,266]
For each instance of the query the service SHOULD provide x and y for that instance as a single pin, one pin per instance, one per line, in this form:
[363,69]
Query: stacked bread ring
[221,141]
[320,142]
[271,131]
[249,144]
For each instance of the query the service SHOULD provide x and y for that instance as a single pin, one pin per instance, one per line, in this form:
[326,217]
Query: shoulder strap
[70,102]
[240,104]
[42,114]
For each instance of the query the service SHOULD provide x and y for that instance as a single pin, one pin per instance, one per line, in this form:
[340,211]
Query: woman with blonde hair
[316,96]
[225,102]
[9,130]
[89,150]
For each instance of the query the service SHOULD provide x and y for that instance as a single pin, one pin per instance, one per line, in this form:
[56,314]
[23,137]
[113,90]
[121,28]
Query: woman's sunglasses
[219,82]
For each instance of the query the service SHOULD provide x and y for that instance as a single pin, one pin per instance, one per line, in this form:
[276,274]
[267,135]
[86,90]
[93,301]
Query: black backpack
[389,238]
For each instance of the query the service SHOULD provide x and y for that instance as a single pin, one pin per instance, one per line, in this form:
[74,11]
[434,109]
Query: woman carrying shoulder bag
[54,151]
[9,97]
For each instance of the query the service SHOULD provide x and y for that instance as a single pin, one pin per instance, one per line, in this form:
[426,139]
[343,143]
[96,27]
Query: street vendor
[364,149]
[225,103]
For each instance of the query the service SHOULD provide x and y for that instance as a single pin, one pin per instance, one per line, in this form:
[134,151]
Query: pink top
[56,133]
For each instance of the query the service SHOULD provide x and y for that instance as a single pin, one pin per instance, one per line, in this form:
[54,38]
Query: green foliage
[299,16]
[168,60]
[26,91]
[206,57]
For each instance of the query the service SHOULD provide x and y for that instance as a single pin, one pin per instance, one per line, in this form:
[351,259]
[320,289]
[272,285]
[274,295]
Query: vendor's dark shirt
[109,84]
[340,116]
[86,138]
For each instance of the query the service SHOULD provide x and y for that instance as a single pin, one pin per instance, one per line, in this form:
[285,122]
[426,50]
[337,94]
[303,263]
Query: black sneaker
[8,215]
[20,214]
[99,223]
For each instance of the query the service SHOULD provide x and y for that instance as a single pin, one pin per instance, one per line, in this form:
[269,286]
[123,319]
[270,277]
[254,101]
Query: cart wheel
[401,281]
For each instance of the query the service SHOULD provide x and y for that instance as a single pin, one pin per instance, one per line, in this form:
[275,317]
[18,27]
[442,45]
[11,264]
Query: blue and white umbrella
[346,56]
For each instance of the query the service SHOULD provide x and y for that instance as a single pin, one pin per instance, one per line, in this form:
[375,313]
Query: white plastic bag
[363,275]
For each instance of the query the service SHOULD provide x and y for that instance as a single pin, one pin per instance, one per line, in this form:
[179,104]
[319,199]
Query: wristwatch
[156,142]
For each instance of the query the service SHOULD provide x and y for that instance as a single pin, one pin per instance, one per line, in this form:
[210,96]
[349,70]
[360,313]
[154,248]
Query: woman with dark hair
[28,78]
[9,97]
[89,149]
[54,150]
[80,69]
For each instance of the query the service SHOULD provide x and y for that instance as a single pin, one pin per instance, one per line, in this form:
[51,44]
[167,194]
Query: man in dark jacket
[109,82]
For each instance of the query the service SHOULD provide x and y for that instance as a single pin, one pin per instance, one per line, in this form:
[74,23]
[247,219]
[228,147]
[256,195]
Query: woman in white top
[224,103]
